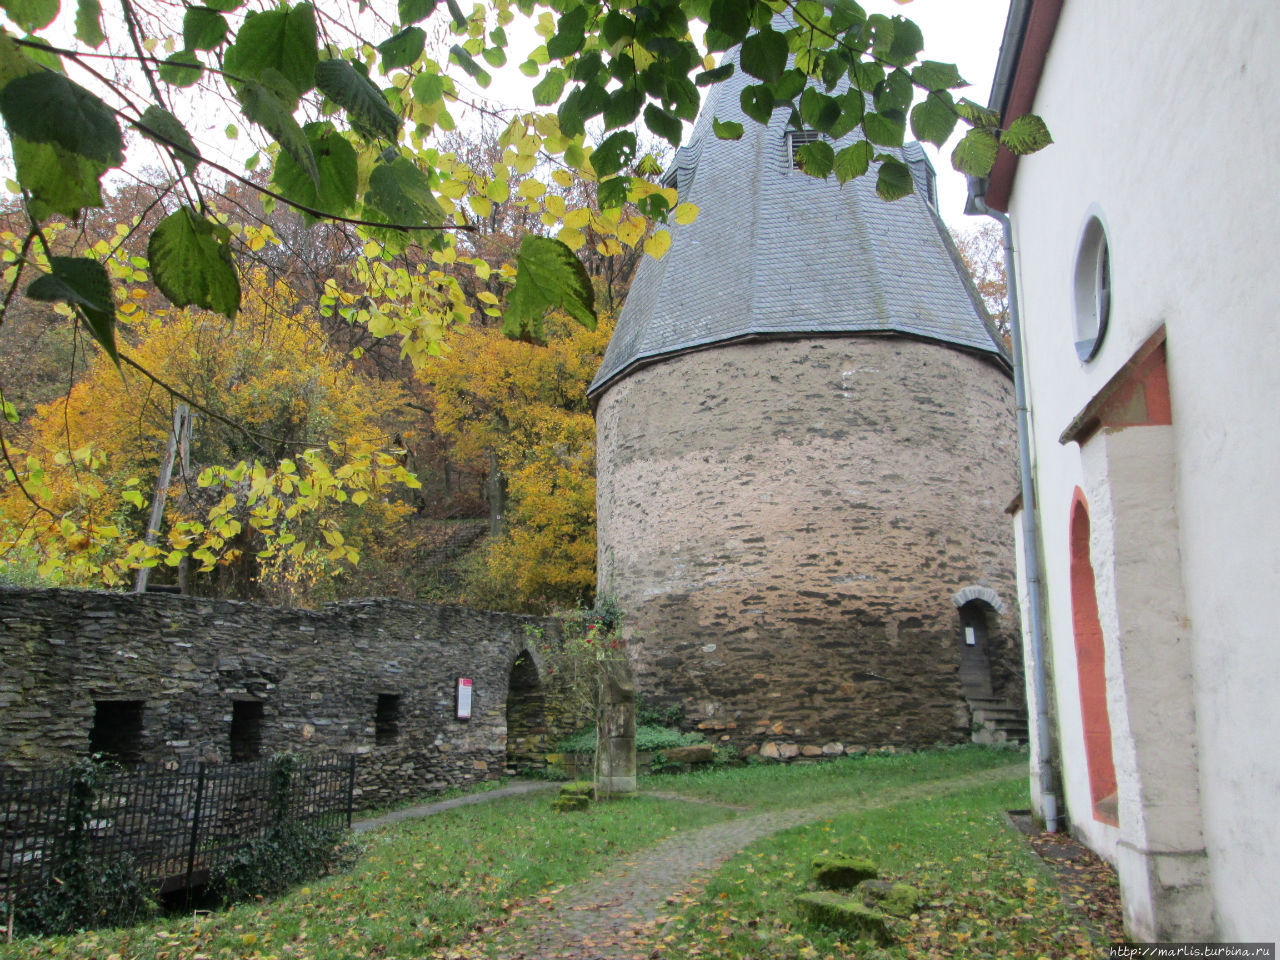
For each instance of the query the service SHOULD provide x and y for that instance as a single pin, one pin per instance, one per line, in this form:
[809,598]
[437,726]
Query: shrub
[290,853]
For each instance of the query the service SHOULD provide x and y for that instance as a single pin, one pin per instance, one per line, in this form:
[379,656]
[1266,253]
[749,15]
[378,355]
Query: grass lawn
[420,887]
[983,893]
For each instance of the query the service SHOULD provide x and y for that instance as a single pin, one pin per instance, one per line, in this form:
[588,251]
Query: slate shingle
[777,253]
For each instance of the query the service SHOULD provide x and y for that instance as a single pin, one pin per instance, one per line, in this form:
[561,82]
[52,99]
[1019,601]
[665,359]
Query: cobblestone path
[610,916]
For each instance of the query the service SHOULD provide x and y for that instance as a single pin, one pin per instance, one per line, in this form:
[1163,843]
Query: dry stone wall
[315,676]
[788,536]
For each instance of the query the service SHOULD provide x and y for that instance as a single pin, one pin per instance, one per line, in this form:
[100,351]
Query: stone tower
[805,443]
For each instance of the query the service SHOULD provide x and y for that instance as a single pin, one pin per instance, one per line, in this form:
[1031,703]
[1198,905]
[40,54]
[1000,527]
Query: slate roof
[776,253]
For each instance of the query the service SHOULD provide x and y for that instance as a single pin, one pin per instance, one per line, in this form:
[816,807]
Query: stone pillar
[616,755]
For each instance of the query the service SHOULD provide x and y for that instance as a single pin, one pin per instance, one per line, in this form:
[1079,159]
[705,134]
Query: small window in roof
[797,139]
[1092,290]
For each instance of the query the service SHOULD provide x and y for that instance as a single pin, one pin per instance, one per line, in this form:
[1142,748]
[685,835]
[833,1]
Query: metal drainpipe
[1030,521]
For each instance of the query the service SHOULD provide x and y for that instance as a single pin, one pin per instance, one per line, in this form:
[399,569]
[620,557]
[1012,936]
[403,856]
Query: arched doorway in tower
[975,654]
[526,716]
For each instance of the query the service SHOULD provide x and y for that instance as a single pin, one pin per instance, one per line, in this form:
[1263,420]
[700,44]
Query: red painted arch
[1091,667]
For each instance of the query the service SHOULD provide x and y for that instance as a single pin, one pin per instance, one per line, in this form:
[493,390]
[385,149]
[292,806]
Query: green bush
[648,738]
[290,853]
[88,895]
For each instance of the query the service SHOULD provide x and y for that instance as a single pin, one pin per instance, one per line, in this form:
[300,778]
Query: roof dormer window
[797,139]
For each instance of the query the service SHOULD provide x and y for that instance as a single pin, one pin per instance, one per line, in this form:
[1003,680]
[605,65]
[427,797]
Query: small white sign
[464,698]
[970,638]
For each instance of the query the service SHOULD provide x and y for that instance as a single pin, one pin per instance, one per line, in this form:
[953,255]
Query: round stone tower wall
[787,537]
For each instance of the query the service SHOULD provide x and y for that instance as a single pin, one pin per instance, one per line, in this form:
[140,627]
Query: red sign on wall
[464,698]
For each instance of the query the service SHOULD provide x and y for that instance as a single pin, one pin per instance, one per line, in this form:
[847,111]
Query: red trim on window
[1091,668]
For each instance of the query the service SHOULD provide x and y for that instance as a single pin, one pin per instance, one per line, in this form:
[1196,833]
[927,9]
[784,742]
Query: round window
[1093,289]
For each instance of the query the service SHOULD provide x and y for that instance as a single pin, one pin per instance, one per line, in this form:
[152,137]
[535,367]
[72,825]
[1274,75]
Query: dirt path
[426,809]
[609,916]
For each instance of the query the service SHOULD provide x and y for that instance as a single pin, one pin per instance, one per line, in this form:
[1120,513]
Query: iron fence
[173,823]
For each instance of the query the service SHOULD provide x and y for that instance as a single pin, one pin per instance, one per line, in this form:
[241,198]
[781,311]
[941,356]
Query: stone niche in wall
[156,678]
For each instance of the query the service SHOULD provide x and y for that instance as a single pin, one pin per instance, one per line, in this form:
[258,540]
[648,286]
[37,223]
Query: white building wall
[1164,122]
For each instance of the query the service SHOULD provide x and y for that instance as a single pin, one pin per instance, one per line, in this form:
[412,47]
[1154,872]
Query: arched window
[1091,668]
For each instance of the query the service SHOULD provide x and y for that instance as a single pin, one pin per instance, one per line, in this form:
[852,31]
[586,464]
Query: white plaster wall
[1163,116]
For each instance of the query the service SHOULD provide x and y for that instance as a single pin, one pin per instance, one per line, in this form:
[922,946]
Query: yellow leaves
[631,230]
[685,213]
[555,205]
[532,189]
[481,206]
[563,177]
[498,191]
[577,219]
[573,239]
[658,244]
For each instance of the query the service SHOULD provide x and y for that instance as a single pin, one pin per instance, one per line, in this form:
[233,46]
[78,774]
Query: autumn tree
[982,251]
[519,412]
[292,470]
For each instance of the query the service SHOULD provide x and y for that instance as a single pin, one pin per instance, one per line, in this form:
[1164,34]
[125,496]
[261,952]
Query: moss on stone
[838,912]
[578,788]
[841,872]
[899,899]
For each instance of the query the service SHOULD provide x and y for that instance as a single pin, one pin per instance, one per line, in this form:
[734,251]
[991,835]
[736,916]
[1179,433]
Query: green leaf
[268,111]
[495,57]
[203,29]
[58,180]
[570,34]
[623,107]
[932,119]
[82,282]
[907,42]
[612,193]
[764,55]
[162,127]
[282,40]
[468,63]
[933,75]
[789,85]
[547,91]
[615,152]
[708,77]
[48,108]
[816,158]
[223,6]
[663,124]
[977,114]
[1027,134]
[548,277]
[894,181]
[366,107]
[853,161]
[729,21]
[89,23]
[428,88]
[182,69]
[895,92]
[757,102]
[817,110]
[401,193]
[31,15]
[337,166]
[191,263]
[38,50]
[884,129]
[402,49]
[727,130]
[852,107]
[411,11]
[976,153]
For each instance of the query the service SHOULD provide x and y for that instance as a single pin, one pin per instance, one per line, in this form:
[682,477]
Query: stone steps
[997,721]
